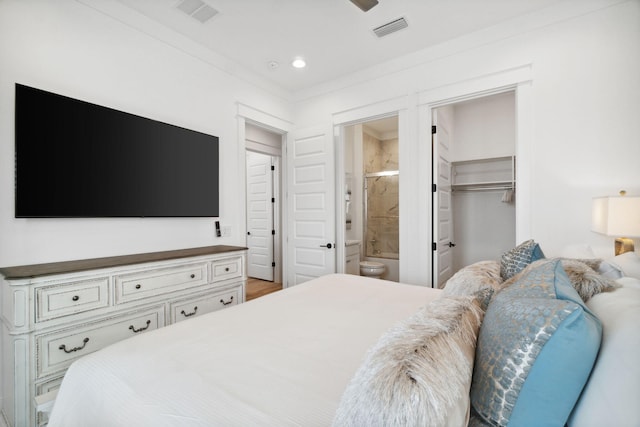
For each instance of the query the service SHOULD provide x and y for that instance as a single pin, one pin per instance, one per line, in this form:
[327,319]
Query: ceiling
[334,36]
[387,125]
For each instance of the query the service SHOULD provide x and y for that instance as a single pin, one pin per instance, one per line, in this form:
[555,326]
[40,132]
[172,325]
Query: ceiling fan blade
[365,5]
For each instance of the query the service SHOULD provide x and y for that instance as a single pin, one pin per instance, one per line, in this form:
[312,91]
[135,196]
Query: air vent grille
[197,9]
[390,27]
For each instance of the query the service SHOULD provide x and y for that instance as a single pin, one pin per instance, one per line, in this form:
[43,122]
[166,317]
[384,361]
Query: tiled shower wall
[381,234]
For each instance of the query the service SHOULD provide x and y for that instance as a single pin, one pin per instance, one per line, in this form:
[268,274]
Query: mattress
[280,360]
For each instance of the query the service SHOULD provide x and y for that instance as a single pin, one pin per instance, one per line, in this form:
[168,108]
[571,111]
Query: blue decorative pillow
[515,260]
[536,348]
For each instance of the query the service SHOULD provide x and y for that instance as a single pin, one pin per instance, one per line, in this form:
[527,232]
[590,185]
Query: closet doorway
[475,189]
[263,203]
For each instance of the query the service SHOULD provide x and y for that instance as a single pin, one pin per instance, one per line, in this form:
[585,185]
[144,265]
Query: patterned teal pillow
[515,260]
[536,348]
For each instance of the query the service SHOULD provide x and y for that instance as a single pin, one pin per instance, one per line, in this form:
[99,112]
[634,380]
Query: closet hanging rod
[495,188]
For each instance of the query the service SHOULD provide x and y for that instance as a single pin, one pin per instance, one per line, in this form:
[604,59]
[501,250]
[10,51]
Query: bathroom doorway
[372,177]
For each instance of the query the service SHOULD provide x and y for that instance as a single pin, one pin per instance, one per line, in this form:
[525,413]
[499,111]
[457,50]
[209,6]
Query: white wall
[484,227]
[262,140]
[69,48]
[585,104]
[484,127]
[585,88]
[353,166]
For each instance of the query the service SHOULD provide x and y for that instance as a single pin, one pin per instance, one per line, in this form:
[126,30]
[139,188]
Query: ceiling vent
[391,27]
[197,9]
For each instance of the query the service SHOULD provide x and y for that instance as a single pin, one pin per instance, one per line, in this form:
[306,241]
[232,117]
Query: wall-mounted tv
[77,159]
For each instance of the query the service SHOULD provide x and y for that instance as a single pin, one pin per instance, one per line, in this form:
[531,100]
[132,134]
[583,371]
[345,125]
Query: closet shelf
[496,173]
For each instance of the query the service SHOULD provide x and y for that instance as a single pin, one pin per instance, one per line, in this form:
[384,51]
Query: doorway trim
[519,80]
[391,107]
[247,114]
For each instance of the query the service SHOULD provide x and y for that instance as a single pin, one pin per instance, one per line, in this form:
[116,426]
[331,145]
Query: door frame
[392,107]
[247,114]
[517,79]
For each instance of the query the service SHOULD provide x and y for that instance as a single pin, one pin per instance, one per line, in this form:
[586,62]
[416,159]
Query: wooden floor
[257,288]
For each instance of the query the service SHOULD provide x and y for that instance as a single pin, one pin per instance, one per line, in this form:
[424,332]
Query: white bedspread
[281,360]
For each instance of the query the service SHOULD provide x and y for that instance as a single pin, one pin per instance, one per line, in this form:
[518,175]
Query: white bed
[283,359]
[353,351]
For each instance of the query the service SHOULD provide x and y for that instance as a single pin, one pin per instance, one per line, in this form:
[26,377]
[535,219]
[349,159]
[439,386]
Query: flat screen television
[77,159]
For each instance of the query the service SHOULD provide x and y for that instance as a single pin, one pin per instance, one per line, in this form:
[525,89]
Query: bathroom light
[298,63]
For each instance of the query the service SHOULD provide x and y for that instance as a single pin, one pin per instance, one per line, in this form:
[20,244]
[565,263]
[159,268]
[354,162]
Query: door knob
[451,245]
[328,246]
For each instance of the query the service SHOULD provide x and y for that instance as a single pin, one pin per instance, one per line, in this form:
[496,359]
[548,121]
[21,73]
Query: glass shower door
[381,228]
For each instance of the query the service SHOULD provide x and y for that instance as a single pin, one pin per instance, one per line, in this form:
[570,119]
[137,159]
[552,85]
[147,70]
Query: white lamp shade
[616,216]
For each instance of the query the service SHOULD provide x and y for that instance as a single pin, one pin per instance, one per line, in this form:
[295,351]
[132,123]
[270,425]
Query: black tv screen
[77,159]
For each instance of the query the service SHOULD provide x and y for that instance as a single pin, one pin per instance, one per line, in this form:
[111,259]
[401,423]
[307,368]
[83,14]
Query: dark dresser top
[25,271]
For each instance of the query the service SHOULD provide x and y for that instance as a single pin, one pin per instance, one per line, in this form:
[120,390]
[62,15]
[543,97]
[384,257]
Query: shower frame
[365,200]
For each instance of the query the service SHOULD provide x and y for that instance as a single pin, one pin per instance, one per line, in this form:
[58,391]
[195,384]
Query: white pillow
[628,263]
[609,270]
[580,251]
[610,397]
[584,252]
[629,282]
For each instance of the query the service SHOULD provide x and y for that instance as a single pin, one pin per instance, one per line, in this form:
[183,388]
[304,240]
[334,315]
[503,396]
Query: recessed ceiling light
[298,63]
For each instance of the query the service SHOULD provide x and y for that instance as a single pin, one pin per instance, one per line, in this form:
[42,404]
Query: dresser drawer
[49,385]
[56,351]
[71,298]
[228,268]
[135,286]
[203,304]
[41,389]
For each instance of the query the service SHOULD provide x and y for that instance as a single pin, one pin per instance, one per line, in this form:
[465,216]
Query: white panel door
[260,216]
[442,214]
[311,205]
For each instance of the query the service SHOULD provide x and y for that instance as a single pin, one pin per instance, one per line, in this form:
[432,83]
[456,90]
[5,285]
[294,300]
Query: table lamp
[617,216]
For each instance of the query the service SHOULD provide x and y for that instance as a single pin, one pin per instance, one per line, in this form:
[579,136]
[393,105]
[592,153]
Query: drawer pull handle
[193,276]
[64,347]
[227,302]
[138,286]
[144,328]
[75,298]
[195,310]
[226,269]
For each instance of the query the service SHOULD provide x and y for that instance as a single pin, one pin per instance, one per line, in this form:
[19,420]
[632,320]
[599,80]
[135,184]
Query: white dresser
[53,314]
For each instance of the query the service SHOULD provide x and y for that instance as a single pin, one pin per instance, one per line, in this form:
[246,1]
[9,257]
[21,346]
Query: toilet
[371,269]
